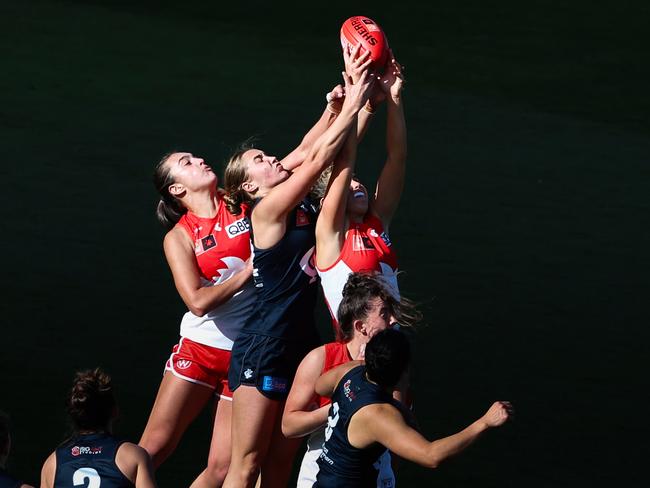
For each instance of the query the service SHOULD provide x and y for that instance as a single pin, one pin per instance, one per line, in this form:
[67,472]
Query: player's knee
[159,443]
[216,472]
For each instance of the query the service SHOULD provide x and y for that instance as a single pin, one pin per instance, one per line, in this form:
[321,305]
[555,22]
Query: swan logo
[233,265]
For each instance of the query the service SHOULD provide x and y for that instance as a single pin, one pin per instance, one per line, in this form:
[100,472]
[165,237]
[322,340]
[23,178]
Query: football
[360,29]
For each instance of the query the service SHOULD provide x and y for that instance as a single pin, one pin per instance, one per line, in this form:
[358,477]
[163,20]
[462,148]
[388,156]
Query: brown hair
[169,209]
[234,176]
[359,291]
[91,403]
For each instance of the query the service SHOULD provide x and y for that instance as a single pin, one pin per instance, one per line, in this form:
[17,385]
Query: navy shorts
[268,363]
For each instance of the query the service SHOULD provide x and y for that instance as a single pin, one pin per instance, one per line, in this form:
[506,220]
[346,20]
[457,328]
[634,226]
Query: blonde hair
[235,174]
[317,191]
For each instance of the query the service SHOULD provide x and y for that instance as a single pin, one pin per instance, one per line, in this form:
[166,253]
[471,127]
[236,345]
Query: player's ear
[360,326]
[176,189]
[249,186]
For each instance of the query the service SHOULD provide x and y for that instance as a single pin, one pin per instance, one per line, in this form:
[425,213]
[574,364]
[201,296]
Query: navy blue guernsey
[286,282]
[88,461]
[342,465]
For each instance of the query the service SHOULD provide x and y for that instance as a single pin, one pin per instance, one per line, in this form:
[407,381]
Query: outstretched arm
[269,215]
[383,423]
[391,180]
[334,102]
[330,227]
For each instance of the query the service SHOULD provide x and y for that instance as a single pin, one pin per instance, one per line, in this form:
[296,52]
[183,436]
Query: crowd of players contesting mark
[247,260]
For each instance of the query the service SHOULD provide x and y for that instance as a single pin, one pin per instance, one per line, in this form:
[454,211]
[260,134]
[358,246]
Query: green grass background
[523,231]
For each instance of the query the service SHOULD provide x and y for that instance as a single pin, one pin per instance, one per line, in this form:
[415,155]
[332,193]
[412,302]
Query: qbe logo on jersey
[238,227]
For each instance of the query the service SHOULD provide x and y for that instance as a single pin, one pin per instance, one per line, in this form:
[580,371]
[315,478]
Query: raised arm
[391,179]
[200,299]
[334,101]
[302,414]
[269,215]
[330,227]
[383,423]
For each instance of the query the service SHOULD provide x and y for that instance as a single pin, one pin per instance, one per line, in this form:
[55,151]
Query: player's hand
[357,94]
[335,97]
[355,63]
[392,82]
[498,413]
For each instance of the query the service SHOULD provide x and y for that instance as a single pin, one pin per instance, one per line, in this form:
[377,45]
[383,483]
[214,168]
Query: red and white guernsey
[366,248]
[222,247]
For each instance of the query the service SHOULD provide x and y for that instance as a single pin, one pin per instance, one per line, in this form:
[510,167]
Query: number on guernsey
[332,420]
[82,474]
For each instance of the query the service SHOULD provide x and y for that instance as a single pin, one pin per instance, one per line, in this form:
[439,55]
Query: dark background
[523,231]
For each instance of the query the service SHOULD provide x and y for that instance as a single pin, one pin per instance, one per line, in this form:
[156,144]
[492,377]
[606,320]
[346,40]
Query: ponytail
[169,210]
[91,402]
[234,176]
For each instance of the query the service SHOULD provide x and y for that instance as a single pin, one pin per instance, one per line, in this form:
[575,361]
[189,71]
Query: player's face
[191,171]
[379,317]
[264,171]
[357,204]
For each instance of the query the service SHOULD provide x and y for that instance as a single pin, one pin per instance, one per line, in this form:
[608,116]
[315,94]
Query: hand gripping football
[363,30]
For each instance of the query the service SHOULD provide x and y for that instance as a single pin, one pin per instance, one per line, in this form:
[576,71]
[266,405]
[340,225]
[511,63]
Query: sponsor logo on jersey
[348,391]
[208,242]
[301,218]
[183,363]
[238,227]
[248,374]
[386,239]
[81,450]
[273,383]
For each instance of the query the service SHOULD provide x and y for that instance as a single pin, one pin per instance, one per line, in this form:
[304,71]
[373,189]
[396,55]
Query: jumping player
[367,308]
[208,250]
[364,419]
[6,480]
[352,229]
[281,329]
[92,455]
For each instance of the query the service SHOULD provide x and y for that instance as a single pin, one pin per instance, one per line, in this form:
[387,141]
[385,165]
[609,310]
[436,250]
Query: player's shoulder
[314,358]
[133,451]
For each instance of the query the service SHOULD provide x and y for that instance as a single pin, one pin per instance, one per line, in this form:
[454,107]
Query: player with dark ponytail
[207,248]
[364,419]
[92,454]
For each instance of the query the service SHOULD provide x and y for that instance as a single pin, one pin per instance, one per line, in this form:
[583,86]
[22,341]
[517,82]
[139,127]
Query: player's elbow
[288,428]
[197,308]
[431,463]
